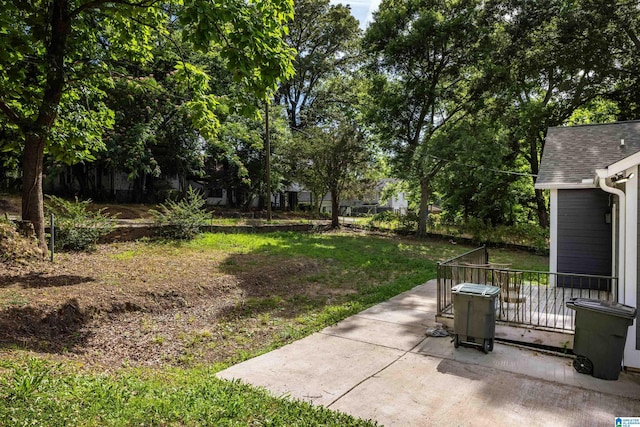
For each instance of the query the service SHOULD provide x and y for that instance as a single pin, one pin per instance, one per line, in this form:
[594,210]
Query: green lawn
[37,393]
[363,270]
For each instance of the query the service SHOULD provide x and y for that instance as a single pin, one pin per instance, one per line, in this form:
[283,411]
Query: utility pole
[267,147]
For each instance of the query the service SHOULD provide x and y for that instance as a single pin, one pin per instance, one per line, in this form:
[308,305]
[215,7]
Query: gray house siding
[584,237]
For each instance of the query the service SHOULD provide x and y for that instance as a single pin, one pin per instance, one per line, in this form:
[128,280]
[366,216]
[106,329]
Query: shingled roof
[572,154]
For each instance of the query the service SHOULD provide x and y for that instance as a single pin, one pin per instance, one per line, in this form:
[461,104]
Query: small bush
[181,220]
[385,216]
[409,222]
[77,228]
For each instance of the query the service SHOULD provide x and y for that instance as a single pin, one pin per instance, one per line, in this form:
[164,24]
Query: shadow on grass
[38,330]
[289,308]
[291,275]
[39,280]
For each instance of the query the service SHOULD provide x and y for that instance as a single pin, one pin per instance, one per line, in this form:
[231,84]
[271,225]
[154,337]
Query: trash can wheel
[583,365]
[491,344]
[456,341]
[486,346]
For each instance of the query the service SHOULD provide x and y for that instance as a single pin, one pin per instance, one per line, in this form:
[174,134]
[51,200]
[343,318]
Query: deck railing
[531,298]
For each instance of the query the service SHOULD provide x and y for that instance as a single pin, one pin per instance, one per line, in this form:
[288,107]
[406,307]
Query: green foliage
[35,392]
[425,56]
[181,220]
[250,36]
[76,227]
[541,69]
[334,153]
[524,234]
[61,55]
[325,37]
[596,111]
[239,147]
[485,180]
[395,221]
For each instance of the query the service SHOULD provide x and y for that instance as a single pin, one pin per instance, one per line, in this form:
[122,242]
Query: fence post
[53,234]
[438,291]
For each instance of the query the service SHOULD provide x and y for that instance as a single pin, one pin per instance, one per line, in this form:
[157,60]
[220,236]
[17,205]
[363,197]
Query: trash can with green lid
[474,315]
[601,332]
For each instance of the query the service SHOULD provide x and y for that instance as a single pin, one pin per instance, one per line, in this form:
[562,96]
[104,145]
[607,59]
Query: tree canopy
[62,54]
[455,96]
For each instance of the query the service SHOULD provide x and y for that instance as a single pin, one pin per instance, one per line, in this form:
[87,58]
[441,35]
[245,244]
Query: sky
[361,9]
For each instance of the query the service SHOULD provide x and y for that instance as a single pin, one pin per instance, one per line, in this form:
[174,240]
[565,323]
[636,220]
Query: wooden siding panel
[584,238]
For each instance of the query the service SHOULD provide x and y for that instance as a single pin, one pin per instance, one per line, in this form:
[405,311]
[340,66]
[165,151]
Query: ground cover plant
[524,235]
[150,319]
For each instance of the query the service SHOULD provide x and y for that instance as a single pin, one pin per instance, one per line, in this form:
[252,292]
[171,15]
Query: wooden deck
[544,306]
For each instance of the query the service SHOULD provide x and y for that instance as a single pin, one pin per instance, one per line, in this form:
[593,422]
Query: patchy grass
[140,303]
[133,332]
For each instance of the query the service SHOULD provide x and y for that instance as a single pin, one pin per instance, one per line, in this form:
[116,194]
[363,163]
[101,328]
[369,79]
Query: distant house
[592,174]
[370,204]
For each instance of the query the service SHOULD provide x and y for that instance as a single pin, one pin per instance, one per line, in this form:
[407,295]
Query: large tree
[326,38]
[238,156]
[622,17]
[335,152]
[426,54]
[57,55]
[548,59]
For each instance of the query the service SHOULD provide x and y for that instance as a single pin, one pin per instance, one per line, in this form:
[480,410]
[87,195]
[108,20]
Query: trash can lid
[476,289]
[609,307]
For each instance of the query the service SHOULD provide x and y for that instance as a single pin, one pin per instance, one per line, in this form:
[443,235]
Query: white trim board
[627,163]
[553,233]
[631,355]
[563,186]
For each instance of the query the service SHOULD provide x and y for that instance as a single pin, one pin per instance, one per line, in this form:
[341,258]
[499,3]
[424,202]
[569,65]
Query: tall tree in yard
[326,38]
[425,53]
[549,58]
[58,54]
[334,153]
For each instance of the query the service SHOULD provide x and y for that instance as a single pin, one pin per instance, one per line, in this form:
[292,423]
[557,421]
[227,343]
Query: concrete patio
[380,365]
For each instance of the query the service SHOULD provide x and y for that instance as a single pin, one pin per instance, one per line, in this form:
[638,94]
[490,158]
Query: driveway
[380,365]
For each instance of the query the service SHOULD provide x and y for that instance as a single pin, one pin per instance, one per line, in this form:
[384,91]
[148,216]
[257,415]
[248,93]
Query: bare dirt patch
[153,305]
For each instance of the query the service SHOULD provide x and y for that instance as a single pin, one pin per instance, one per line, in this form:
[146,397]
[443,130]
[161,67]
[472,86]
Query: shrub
[385,216]
[181,220]
[409,222]
[77,228]
[434,220]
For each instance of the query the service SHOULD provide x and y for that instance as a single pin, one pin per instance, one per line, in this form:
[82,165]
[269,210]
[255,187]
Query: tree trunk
[335,206]
[32,199]
[543,214]
[316,201]
[424,206]
[37,132]
[80,173]
[541,205]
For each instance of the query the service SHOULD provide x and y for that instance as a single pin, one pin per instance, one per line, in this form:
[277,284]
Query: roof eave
[564,186]
[624,164]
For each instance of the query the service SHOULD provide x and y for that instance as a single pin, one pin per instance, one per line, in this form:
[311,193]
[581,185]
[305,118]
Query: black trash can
[601,332]
[474,315]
